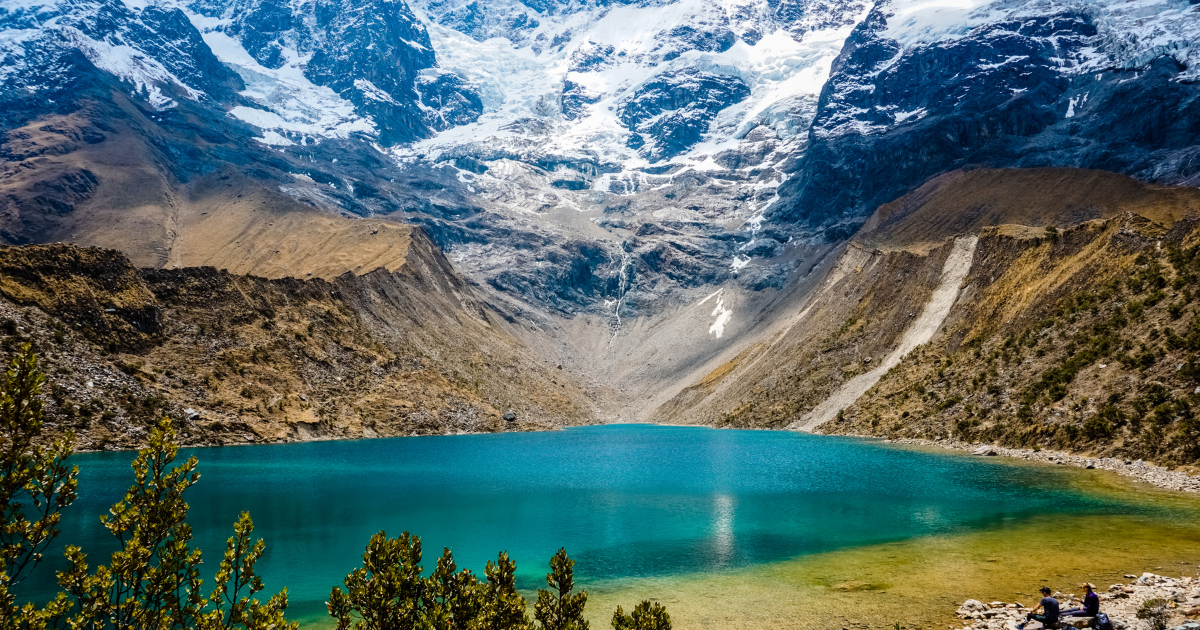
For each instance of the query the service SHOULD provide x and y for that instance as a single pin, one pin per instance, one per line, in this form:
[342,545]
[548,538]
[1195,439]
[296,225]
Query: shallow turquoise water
[626,501]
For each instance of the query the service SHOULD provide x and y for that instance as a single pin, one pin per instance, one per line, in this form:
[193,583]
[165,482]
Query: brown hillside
[233,223]
[103,180]
[1086,342]
[384,353]
[965,202]
[1086,338]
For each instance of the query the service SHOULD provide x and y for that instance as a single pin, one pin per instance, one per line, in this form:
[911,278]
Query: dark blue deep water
[625,500]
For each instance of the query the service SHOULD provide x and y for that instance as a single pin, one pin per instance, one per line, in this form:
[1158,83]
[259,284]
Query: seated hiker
[1091,603]
[1049,608]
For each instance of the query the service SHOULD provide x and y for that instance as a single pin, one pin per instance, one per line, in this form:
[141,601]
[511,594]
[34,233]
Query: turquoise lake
[632,504]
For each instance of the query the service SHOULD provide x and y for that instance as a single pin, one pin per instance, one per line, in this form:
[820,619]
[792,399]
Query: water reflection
[723,532]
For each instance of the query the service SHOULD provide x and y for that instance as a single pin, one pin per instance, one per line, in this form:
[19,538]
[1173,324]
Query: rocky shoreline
[1120,602]
[1137,469]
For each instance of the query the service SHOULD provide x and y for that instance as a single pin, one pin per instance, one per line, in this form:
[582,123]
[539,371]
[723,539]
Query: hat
[1088,585]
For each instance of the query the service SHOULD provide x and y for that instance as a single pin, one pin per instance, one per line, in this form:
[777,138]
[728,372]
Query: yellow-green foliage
[35,486]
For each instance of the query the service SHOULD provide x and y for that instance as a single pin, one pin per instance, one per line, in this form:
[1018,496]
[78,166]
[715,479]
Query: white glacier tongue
[607,54]
[293,104]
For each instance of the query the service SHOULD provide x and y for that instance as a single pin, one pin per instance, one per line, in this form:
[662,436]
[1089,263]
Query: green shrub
[558,608]
[31,475]
[1157,611]
[1097,427]
[153,580]
[645,616]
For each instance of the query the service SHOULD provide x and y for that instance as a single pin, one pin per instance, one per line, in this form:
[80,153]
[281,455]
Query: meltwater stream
[629,502]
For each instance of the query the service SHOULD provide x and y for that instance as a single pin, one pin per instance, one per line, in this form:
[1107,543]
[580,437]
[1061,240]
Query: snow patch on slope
[723,316]
[523,78]
[294,104]
[1132,32]
[52,24]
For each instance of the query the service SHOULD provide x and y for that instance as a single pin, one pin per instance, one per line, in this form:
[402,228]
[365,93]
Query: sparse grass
[236,349]
[1091,307]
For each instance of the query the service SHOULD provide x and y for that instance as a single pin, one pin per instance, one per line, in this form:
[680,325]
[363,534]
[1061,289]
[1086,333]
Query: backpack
[1102,622]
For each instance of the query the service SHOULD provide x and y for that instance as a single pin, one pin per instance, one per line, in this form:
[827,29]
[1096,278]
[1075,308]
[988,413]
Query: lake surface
[707,520]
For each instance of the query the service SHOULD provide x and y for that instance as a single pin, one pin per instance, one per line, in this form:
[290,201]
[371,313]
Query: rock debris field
[1120,603]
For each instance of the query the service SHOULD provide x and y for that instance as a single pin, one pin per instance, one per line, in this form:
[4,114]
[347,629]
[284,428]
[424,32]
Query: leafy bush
[645,616]
[1097,427]
[558,609]
[388,592]
[1157,611]
[30,476]
[153,579]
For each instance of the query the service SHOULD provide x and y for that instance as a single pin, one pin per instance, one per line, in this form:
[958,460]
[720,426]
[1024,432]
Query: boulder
[510,416]
[970,607]
[985,451]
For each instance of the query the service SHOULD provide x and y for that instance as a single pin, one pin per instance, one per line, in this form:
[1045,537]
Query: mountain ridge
[240,358]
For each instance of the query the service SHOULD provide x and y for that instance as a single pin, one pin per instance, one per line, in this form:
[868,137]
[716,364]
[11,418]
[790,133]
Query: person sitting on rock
[1091,603]
[1049,615]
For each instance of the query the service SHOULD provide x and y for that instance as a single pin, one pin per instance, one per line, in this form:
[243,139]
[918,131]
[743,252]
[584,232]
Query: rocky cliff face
[634,144]
[239,358]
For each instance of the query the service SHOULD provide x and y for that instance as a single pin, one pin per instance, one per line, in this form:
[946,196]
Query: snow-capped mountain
[154,49]
[607,156]
[926,87]
[644,139]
